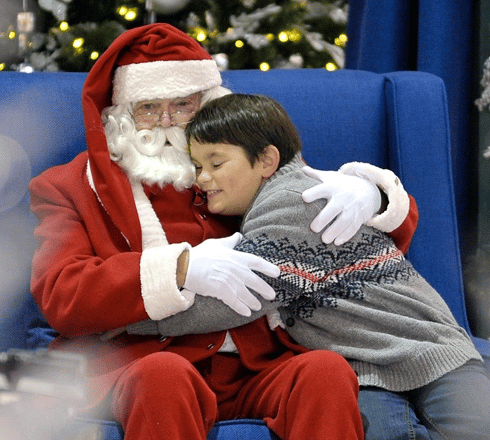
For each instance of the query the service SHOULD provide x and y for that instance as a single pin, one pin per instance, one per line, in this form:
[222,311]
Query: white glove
[352,202]
[216,270]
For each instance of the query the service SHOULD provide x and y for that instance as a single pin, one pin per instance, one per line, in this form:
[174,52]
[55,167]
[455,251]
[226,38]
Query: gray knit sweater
[363,299]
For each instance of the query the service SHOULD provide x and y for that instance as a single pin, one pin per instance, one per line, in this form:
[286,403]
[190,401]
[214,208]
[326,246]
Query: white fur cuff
[158,271]
[389,183]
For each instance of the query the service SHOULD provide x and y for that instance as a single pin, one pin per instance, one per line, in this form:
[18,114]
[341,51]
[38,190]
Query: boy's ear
[270,158]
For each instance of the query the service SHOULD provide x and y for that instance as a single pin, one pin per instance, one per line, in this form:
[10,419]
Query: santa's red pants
[310,396]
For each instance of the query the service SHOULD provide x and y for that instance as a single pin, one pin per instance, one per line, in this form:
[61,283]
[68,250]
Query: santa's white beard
[157,156]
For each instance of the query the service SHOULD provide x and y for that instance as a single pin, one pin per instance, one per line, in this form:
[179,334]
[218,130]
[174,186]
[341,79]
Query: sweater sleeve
[206,315]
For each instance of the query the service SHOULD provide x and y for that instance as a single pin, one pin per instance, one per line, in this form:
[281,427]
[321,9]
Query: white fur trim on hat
[386,180]
[163,79]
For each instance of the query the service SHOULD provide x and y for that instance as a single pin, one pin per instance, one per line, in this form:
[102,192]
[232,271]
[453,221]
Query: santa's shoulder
[69,171]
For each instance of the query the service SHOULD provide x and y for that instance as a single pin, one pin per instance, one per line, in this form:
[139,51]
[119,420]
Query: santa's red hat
[149,62]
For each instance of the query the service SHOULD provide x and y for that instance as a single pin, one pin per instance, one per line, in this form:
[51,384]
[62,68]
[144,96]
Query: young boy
[416,366]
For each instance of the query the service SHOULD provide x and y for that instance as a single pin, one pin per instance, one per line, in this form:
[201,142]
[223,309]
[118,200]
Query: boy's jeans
[455,407]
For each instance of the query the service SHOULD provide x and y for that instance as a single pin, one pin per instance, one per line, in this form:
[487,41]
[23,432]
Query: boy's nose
[203,177]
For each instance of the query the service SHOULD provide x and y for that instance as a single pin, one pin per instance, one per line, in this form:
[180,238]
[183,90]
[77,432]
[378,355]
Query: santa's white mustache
[153,142]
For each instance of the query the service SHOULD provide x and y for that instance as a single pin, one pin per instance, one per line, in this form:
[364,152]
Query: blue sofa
[396,120]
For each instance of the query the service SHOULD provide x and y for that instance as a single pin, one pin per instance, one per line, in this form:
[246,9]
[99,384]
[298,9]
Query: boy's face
[225,174]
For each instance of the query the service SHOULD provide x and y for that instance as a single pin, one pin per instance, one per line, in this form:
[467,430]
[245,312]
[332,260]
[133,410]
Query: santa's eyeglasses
[179,111]
[177,118]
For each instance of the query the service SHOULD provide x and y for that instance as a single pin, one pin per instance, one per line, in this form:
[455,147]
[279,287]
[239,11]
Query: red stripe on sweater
[353,267]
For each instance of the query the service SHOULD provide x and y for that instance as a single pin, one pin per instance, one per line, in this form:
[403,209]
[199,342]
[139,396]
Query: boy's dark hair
[249,121]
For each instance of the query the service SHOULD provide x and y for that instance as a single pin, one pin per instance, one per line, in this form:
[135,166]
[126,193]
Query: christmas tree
[240,34]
